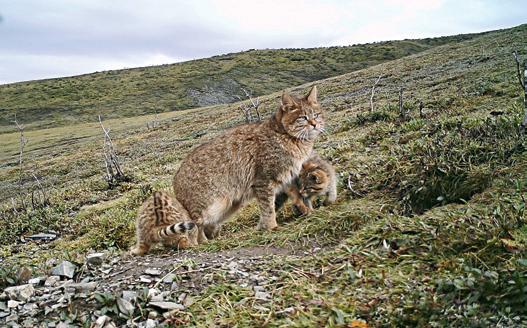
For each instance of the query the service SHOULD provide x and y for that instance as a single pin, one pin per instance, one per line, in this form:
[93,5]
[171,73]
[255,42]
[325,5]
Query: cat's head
[313,180]
[301,117]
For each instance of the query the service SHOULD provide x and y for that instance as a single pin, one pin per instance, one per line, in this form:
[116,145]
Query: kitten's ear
[287,101]
[312,95]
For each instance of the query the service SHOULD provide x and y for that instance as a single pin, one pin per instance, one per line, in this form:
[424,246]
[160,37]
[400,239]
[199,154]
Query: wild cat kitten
[317,178]
[162,219]
[249,161]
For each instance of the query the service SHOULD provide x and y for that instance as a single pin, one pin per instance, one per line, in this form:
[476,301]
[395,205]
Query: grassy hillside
[210,81]
[429,227]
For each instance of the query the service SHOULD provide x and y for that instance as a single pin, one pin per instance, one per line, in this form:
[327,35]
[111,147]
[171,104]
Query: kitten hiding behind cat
[162,219]
[317,178]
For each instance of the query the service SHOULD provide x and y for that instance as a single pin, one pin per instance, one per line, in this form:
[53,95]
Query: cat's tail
[174,229]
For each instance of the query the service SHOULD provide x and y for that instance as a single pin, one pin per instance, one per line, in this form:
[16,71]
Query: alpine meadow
[428,228]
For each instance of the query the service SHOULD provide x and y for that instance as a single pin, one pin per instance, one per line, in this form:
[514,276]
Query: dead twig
[373,92]
[350,187]
[247,109]
[114,173]
[523,84]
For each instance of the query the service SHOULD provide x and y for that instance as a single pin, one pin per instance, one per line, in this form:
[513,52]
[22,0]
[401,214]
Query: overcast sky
[53,38]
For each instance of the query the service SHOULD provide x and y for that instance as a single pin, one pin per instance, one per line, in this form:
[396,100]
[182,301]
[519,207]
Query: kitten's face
[313,182]
[302,118]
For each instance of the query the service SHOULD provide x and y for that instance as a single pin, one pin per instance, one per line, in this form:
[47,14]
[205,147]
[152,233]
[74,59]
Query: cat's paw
[267,226]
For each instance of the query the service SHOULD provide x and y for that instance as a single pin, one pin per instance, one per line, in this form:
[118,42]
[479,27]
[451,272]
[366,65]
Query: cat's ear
[287,101]
[312,95]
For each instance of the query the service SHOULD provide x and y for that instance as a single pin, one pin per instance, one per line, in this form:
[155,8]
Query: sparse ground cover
[428,230]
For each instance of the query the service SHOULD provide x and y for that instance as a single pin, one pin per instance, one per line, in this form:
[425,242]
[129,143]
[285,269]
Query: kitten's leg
[265,197]
[298,203]
[331,195]
[309,203]
[141,248]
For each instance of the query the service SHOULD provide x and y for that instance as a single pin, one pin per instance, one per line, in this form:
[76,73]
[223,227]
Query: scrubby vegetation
[429,228]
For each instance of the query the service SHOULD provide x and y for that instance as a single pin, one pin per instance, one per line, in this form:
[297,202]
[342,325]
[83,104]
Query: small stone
[153,272]
[258,288]
[43,236]
[3,306]
[262,296]
[20,293]
[188,301]
[62,324]
[182,297]
[145,279]
[152,292]
[95,258]
[167,305]
[174,286]
[12,317]
[124,306]
[12,304]
[3,314]
[36,281]
[169,278]
[81,286]
[51,281]
[153,314]
[150,323]
[129,295]
[64,269]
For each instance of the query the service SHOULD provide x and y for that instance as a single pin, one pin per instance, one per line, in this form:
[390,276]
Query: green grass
[433,233]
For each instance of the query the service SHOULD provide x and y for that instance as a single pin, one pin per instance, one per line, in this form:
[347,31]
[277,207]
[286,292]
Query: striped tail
[173,229]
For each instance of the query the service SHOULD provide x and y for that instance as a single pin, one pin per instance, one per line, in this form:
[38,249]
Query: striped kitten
[317,178]
[162,219]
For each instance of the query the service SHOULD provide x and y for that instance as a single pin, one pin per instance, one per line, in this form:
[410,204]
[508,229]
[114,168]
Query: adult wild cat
[249,161]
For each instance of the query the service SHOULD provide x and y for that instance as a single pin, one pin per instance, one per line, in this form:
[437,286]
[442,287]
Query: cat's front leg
[202,238]
[266,197]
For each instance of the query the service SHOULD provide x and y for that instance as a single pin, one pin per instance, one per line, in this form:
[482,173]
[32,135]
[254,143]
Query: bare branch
[373,92]
[401,107]
[350,187]
[517,59]
[114,173]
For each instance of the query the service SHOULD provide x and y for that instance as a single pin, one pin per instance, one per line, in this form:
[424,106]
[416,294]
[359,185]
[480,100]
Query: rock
[258,288]
[12,317]
[167,305]
[182,297]
[124,306]
[43,236]
[151,323]
[36,281]
[95,258]
[3,306]
[129,295]
[188,301]
[20,293]
[12,304]
[104,322]
[145,279]
[62,324]
[3,314]
[153,314]
[64,269]
[23,274]
[81,286]
[169,278]
[174,286]
[51,281]
[153,272]
[263,296]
